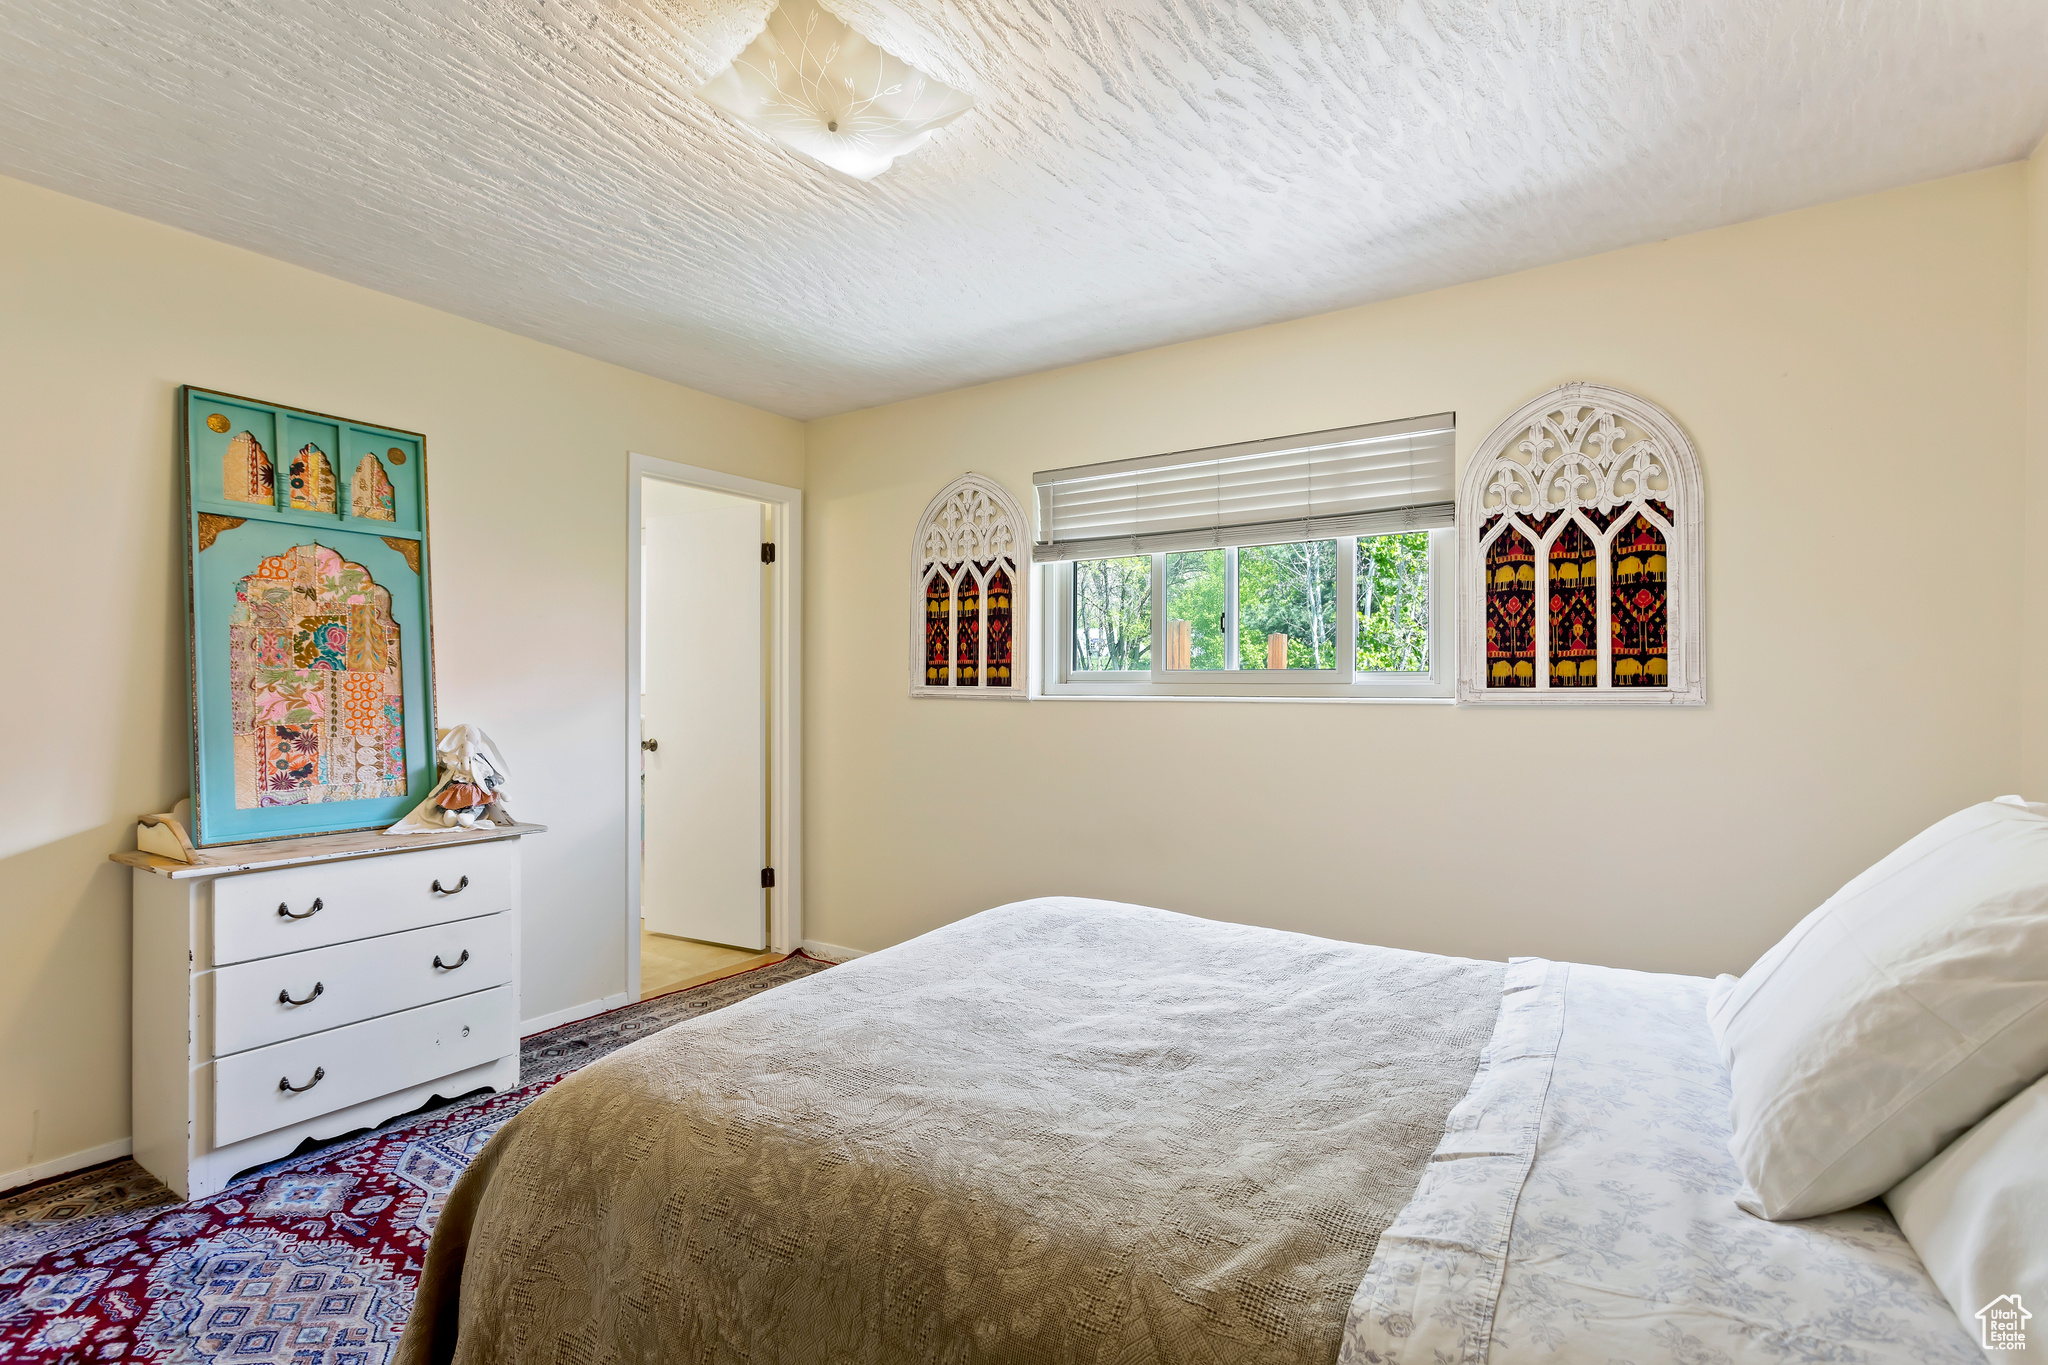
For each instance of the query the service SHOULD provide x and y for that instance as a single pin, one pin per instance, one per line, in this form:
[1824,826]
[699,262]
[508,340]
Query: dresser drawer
[354,981]
[349,1065]
[262,914]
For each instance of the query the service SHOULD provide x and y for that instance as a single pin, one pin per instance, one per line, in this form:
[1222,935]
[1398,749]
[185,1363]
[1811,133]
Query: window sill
[1349,700]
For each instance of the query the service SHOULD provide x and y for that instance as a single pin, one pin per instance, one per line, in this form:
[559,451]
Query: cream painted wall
[2034,671]
[1852,375]
[1897,340]
[101,317]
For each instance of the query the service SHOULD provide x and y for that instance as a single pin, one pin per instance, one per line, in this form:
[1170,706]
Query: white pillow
[1978,1215]
[1904,1009]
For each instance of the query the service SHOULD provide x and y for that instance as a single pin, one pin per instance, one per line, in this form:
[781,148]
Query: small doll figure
[471,792]
[464,804]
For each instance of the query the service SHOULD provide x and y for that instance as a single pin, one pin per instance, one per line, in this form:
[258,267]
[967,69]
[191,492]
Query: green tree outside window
[1113,614]
[1393,603]
[1288,590]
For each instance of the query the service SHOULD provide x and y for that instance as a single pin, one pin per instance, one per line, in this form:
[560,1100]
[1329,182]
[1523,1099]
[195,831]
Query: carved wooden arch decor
[969,584]
[1580,545]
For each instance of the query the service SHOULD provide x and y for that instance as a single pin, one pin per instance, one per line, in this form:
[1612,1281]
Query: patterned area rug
[308,1261]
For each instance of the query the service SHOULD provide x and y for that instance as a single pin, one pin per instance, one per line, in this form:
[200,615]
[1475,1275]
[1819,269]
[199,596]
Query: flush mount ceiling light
[825,92]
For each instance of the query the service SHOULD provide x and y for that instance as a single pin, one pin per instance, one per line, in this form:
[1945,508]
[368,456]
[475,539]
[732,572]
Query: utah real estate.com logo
[2004,1323]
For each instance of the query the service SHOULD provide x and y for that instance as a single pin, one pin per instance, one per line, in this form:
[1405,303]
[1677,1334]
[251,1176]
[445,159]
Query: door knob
[650,745]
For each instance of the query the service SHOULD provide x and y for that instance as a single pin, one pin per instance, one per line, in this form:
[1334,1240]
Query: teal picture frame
[304,723]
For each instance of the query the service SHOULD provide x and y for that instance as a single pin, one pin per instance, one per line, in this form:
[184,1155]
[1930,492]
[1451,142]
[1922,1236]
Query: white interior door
[703,725]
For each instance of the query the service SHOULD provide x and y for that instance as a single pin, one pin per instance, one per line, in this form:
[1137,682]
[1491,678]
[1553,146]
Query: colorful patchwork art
[245,472]
[312,480]
[305,721]
[369,493]
[314,672]
[321,642]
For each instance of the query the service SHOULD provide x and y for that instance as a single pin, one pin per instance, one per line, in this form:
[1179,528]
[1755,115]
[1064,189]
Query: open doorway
[712,678]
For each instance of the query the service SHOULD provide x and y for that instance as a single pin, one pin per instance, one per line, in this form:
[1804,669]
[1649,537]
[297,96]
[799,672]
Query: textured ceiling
[1135,172]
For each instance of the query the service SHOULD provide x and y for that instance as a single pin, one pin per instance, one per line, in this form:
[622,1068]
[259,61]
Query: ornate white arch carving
[974,534]
[1595,457]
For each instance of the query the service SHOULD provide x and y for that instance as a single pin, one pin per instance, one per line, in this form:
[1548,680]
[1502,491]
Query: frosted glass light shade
[823,91]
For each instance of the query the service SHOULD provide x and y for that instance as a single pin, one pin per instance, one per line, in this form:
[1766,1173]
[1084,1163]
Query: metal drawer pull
[451,966]
[284,997]
[285,1082]
[449,890]
[286,910]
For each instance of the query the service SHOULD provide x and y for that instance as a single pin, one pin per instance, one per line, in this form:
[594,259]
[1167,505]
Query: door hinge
[767,552]
[767,877]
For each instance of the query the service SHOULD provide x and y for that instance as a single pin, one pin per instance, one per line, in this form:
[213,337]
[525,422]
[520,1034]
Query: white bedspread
[1581,1208]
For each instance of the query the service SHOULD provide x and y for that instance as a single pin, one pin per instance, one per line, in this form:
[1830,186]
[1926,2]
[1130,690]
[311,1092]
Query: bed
[1581,1207]
[1072,1130]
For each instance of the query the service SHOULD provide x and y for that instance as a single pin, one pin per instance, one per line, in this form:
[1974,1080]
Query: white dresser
[306,988]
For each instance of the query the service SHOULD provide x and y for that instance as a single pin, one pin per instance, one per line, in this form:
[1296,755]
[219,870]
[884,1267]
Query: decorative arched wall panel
[969,584]
[311,620]
[1593,496]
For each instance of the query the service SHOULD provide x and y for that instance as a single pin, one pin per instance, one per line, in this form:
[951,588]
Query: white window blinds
[1369,480]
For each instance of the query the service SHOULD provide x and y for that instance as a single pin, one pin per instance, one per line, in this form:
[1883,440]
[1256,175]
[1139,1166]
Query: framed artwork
[310,645]
[1581,535]
[970,584]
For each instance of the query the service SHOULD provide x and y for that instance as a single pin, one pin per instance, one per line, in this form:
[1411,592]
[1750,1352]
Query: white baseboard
[64,1165]
[832,952]
[543,1023]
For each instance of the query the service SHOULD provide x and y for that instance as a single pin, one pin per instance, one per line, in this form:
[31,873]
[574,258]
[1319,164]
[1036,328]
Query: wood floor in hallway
[670,964]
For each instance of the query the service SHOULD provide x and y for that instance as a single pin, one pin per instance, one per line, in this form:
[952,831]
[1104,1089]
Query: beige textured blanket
[1059,1131]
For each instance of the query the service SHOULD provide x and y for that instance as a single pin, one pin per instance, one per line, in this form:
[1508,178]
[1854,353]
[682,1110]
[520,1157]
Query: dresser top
[310,848]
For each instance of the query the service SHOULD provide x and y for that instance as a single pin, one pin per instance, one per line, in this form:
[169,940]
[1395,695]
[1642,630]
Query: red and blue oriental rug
[309,1261]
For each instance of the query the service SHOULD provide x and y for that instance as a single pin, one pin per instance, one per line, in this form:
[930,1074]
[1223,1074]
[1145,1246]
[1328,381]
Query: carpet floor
[308,1261]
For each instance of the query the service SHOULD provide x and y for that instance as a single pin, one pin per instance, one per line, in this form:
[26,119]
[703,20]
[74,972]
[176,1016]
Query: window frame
[1059,677]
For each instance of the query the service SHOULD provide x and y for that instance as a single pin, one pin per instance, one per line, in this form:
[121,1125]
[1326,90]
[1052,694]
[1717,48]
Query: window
[1593,496]
[969,591]
[1307,566]
[1393,604]
[1112,615]
[1278,620]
